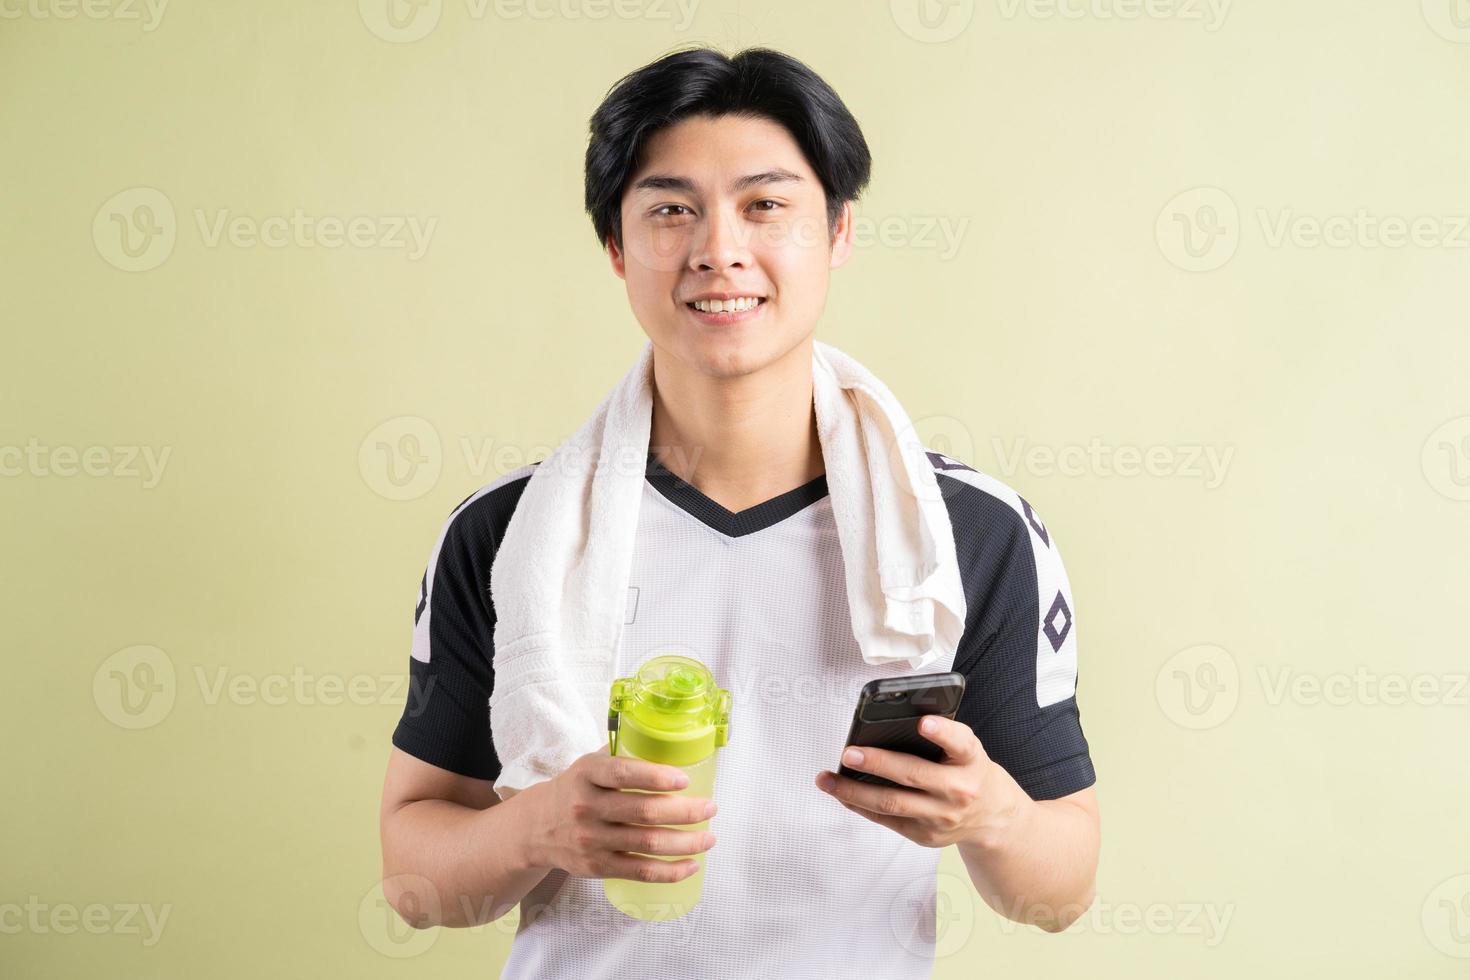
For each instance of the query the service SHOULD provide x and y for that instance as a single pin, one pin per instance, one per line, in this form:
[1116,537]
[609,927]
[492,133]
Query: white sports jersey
[797,885]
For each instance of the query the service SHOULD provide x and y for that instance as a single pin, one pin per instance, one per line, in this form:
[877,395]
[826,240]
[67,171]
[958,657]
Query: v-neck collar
[730,523]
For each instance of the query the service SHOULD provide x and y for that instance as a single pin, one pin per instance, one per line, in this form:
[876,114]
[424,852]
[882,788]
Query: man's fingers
[657,840]
[885,800]
[892,823]
[904,768]
[955,737]
[653,808]
[646,869]
[621,772]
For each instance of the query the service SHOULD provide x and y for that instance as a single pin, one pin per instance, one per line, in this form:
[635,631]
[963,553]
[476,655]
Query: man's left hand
[963,798]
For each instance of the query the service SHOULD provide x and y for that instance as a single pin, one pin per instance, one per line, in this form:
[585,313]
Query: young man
[722,189]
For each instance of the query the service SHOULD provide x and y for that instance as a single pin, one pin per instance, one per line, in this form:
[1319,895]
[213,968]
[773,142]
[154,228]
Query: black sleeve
[446,719]
[1019,653]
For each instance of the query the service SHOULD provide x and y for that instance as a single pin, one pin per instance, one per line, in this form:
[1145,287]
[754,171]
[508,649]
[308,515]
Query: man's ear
[842,236]
[615,256]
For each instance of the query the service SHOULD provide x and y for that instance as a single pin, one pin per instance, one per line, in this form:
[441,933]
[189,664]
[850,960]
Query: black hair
[758,82]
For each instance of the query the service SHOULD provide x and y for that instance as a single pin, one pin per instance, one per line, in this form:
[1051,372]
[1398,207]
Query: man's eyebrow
[671,182]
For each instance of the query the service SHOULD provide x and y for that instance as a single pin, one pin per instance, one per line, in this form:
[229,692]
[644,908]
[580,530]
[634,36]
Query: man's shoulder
[986,512]
[480,520]
[1015,584]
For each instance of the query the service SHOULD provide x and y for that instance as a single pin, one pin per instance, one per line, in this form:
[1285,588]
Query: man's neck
[739,441]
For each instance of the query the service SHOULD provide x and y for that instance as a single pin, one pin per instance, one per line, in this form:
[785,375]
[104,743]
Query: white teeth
[726,306]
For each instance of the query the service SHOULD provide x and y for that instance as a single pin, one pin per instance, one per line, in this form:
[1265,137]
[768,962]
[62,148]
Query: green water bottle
[670,712]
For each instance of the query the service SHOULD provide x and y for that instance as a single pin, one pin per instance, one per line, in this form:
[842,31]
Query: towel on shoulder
[559,579]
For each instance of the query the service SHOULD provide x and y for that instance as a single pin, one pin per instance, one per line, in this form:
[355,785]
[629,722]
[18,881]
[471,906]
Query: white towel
[559,580]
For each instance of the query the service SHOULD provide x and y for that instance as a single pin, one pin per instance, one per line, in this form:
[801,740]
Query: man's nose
[725,243]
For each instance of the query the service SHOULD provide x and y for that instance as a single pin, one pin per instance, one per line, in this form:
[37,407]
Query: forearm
[447,864]
[1040,866]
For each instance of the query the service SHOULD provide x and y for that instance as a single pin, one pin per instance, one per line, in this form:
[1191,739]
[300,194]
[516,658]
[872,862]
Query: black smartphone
[888,713]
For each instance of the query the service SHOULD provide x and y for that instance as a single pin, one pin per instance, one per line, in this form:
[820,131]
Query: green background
[1318,831]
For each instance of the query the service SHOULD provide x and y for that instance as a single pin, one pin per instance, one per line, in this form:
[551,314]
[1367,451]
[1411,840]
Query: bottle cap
[670,711]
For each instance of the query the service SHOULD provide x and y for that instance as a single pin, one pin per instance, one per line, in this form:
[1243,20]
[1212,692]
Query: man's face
[727,205]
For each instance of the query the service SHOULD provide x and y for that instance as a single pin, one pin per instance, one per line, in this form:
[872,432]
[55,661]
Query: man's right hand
[585,823]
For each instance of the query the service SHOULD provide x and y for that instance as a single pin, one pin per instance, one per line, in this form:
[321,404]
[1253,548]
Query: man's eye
[767,200]
[661,210]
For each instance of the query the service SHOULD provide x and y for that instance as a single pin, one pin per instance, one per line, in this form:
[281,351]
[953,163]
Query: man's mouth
[738,305]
